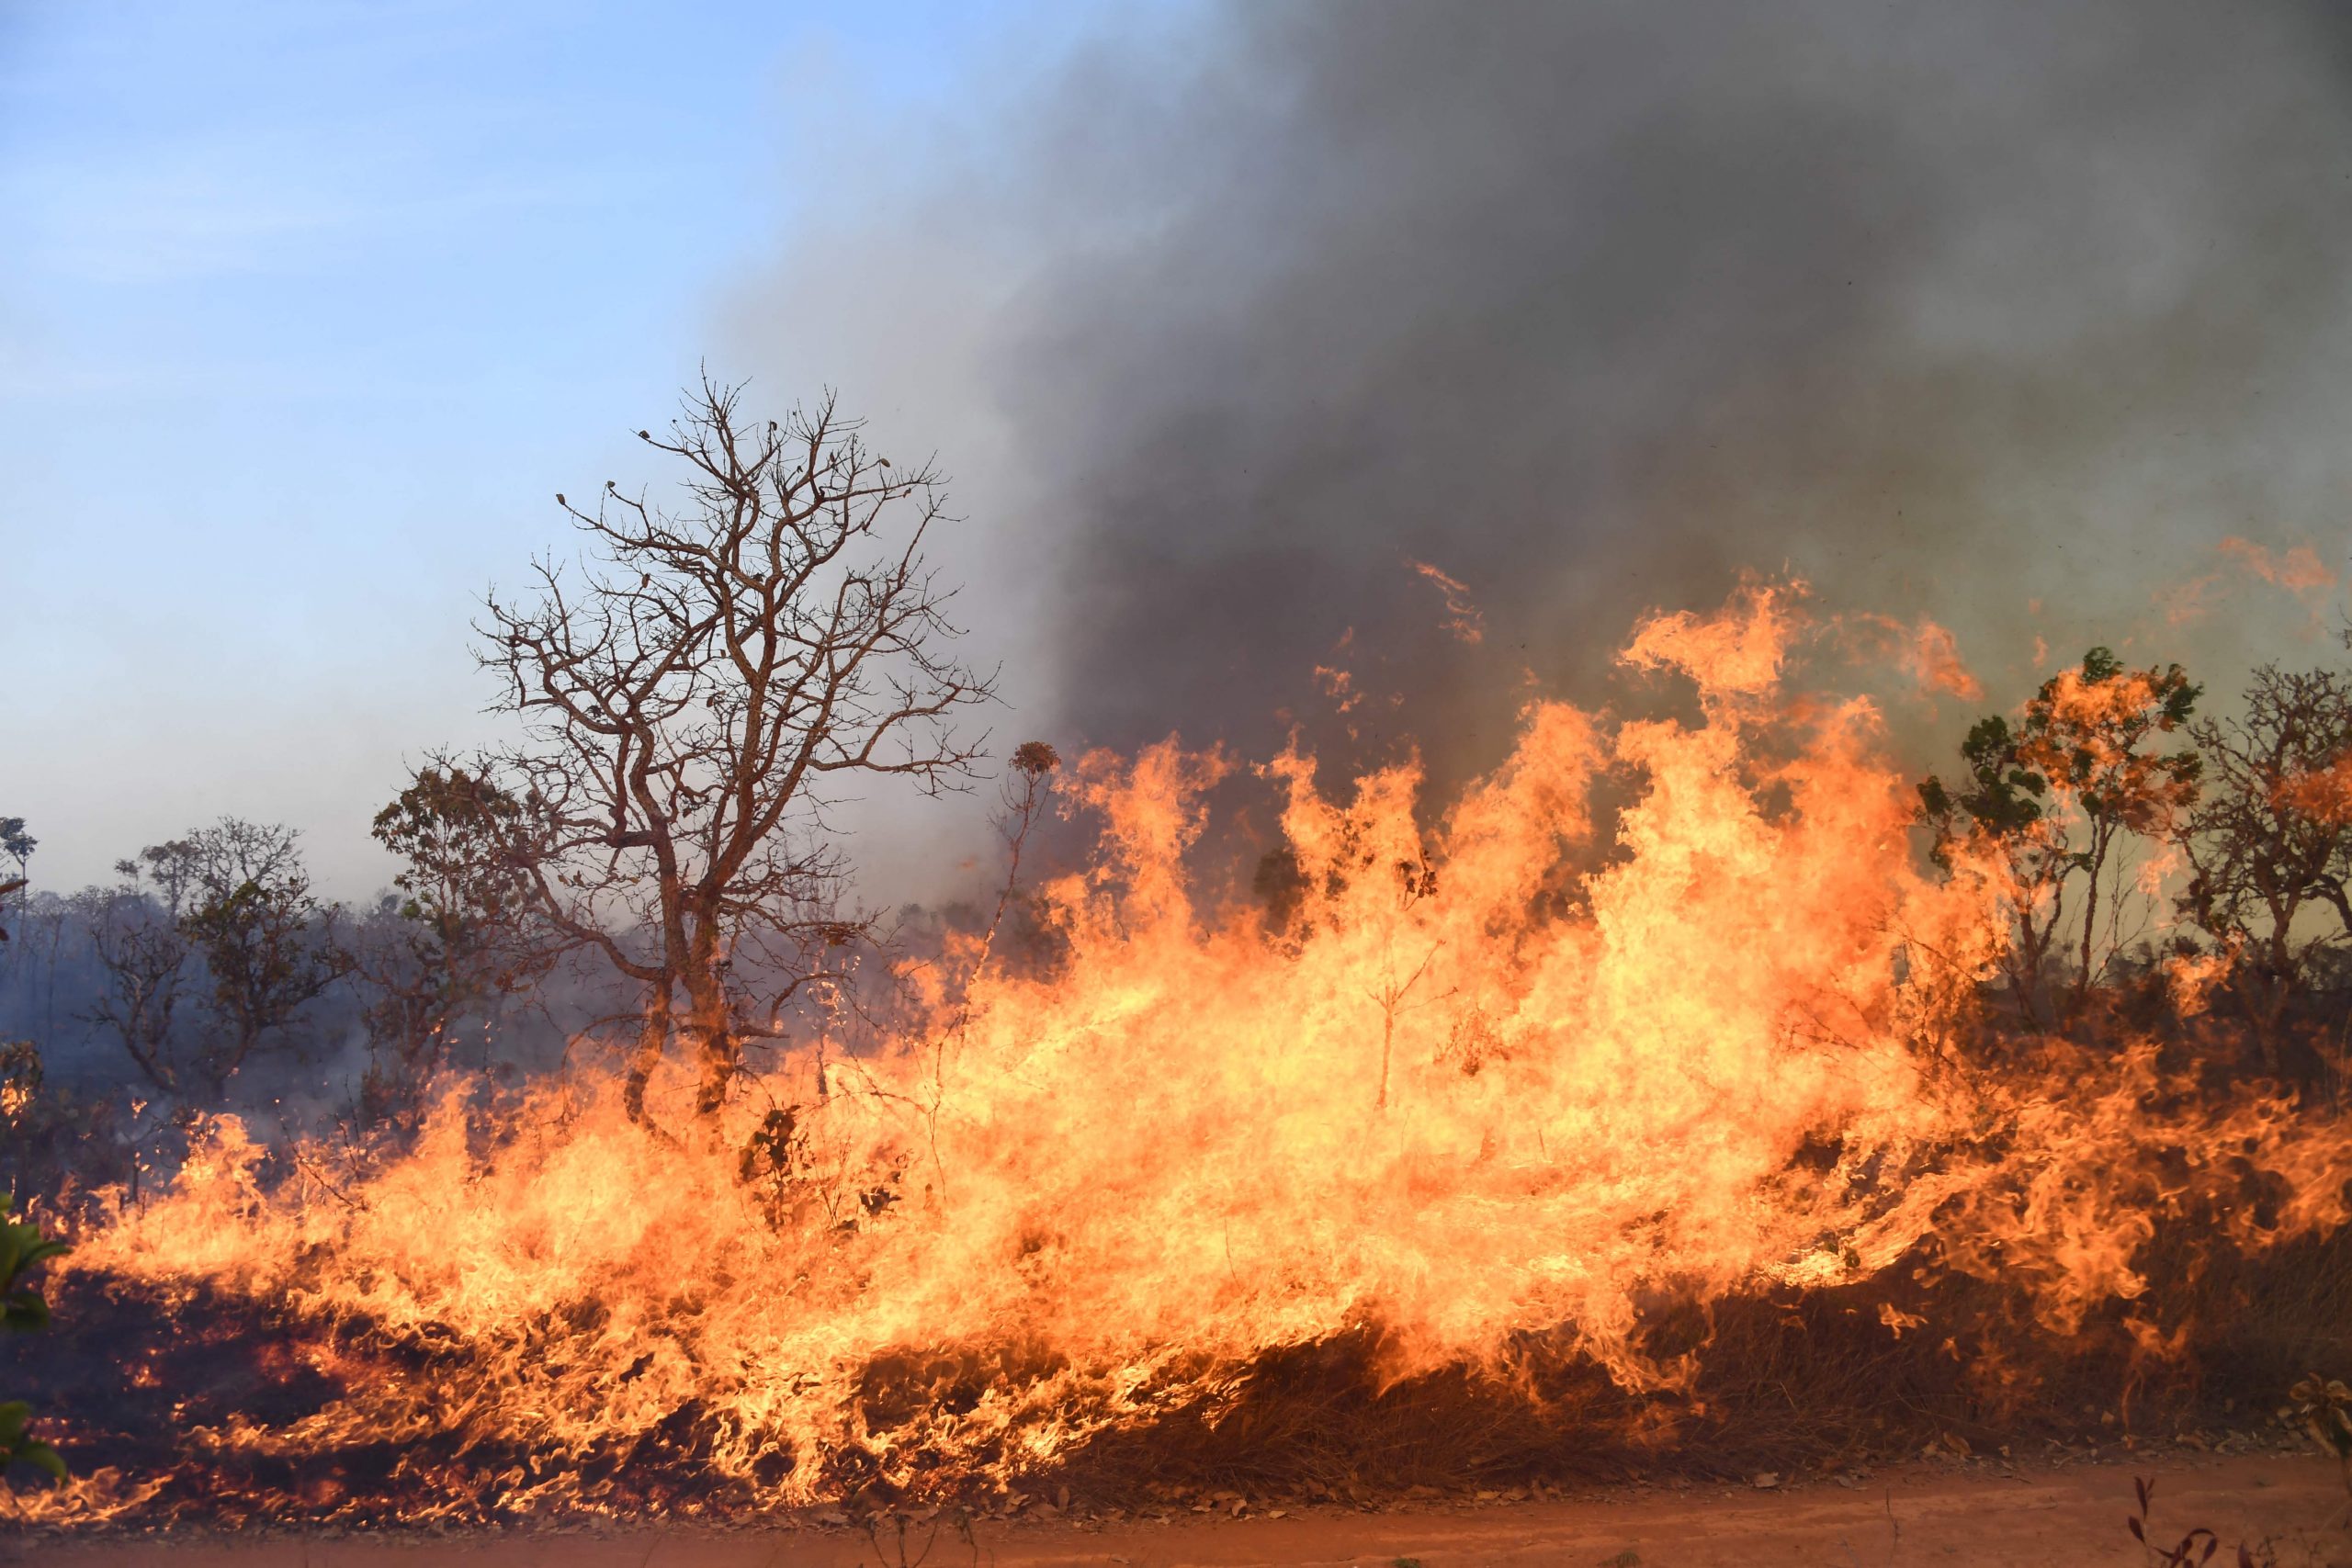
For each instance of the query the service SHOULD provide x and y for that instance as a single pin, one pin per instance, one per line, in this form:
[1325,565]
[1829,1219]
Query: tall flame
[1654,1014]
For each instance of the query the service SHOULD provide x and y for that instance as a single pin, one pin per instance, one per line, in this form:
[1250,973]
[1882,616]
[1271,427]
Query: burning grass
[1512,1152]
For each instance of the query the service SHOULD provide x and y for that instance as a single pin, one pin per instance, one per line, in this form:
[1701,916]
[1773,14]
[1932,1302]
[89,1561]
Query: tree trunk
[1387,1047]
[2090,928]
[708,1022]
[2277,987]
[652,1038]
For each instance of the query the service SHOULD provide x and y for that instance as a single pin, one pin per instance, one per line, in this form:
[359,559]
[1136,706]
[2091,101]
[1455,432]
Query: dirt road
[1898,1518]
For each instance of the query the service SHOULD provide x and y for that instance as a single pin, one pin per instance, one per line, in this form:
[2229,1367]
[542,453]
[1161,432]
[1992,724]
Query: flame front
[1655,1015]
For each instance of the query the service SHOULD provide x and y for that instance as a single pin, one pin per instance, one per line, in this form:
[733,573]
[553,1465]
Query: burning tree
[2047,801]
[2271,840]
[697,689]
[1661,1131]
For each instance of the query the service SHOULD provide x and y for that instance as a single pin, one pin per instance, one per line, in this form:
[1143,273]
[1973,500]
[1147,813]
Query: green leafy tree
[2000,805]
[17,845]
[263,937]
[142,949]
[236,896]
[23,1310]
[2052,797]
[462,934]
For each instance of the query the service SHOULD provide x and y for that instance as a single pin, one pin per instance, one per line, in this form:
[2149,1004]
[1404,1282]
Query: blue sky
[307,309]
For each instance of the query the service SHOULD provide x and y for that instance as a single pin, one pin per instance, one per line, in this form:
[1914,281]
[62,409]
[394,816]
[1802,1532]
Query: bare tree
[700,687]
[2265,846]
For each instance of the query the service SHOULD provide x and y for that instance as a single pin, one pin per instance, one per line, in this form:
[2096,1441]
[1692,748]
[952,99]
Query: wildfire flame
[1651,1015]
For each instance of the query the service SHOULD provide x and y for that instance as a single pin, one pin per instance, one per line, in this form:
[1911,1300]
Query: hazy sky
[306,309]
[1220,314]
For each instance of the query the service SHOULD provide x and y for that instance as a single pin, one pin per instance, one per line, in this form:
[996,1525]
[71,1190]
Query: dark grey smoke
[1594,306]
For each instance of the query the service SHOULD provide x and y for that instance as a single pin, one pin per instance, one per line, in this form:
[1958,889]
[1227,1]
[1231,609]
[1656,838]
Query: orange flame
[2296,568]
[1926,651]
[1462,618]
[2323,794]
[1493,1075]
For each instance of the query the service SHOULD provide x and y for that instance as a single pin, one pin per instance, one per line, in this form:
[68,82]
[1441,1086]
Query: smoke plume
[2004,313]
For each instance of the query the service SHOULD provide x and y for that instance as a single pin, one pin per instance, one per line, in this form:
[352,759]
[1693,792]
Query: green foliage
[464,932]
[22,1247]
[460,835]
[2081,735]
[236,894]
[250,913]
[2084,740]
[2002,795]
[17,1449]
[23,1310]
[2085,734]
[14,843]
[136,937]
[250,935]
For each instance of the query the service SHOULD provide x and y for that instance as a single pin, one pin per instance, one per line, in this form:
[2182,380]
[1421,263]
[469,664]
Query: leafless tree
[700,687]
[2267,848]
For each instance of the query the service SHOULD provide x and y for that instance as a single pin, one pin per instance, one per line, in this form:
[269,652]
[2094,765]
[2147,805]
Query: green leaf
[40,1252]
[23,1312]
[40,1455]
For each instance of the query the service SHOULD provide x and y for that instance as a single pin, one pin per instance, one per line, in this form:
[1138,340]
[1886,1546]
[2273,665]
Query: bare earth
[1979,1516]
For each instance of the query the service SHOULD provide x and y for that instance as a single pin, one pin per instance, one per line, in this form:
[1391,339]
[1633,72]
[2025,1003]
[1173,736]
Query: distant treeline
[649,864]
